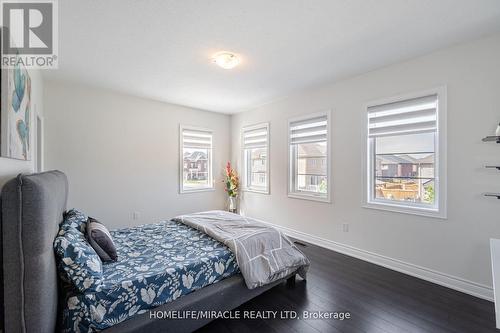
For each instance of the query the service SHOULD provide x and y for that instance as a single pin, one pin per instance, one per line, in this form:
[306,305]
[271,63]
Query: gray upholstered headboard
[32,208]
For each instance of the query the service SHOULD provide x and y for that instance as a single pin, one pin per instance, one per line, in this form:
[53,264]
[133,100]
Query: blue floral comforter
[157,263]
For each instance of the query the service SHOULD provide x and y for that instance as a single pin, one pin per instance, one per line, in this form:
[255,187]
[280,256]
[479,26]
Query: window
[256,158]
[405,142]
[308,159]
[195,159]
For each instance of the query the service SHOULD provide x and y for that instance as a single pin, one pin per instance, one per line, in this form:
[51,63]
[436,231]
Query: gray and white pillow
[100,239]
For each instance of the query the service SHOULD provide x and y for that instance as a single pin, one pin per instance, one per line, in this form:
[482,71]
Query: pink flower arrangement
[231,181]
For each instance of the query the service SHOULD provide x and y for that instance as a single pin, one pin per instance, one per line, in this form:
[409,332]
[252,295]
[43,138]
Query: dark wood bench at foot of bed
[32,208]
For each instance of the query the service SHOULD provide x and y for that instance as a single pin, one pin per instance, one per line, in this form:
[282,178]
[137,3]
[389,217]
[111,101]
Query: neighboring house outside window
[309,169]
[196,159]
[255,143]
[405,162]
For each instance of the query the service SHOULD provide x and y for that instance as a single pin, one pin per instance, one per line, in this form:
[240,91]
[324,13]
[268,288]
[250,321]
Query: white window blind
[256,158]
[195,159]
[256,137]
[406,154]
[418,115]
[308,158]
[193,138]
[309,130]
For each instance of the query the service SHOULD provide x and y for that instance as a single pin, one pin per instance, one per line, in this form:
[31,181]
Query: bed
[32,208]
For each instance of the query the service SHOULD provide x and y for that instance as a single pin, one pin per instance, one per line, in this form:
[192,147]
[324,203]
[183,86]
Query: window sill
[251,190]
[309,197]
[426,212]
[208,189]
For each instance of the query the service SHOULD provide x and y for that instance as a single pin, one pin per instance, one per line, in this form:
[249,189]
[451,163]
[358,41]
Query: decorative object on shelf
[232,183]
[497,132]
[492,139]
[495,195]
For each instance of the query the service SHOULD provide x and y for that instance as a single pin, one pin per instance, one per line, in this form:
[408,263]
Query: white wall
[457,246]
[121,153]
[9,167]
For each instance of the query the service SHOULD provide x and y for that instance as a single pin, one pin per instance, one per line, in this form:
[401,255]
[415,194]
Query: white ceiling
[161,49]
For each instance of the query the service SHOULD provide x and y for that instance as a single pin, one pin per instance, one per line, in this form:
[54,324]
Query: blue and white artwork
[16,124]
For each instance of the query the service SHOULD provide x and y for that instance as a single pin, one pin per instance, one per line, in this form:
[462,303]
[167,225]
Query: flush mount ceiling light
[226,60]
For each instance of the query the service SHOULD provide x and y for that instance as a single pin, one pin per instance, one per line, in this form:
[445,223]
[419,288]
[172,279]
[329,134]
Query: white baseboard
[443,279]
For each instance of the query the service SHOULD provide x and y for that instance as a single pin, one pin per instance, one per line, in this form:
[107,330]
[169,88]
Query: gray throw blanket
[263,253]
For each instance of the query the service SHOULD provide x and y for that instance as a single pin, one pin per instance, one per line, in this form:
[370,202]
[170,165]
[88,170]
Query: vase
[232,205]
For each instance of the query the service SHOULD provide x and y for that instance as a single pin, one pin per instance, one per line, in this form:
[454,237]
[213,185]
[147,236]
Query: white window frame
[245,173]
[182,190]
[440,208]
[39,164]
[291,173]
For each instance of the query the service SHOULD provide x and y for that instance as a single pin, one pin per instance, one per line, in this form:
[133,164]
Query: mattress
[157,263]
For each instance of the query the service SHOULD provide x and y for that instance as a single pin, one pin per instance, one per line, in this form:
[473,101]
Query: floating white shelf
[492,139]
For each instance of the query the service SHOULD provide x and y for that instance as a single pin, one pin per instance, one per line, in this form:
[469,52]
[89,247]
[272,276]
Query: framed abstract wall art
[15,114]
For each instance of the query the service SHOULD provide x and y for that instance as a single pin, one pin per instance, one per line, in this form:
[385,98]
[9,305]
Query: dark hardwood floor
[378,299]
